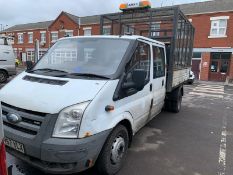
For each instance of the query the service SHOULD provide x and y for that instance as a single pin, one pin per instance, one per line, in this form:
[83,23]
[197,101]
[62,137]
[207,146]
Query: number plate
[14,145]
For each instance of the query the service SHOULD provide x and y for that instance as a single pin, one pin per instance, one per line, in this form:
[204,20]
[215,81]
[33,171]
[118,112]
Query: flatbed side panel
[180,76]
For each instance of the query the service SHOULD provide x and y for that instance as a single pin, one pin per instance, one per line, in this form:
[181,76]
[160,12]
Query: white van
[81,104]
[7,59]
[3,170]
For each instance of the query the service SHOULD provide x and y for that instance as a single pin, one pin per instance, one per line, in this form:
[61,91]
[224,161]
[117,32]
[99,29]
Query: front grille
[31,120]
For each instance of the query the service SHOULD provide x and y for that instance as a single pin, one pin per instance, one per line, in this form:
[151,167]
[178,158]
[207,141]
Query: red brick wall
[205,66]
[202,25]
[63,22]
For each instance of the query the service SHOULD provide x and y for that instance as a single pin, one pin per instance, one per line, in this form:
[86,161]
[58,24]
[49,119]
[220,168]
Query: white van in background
[7,59]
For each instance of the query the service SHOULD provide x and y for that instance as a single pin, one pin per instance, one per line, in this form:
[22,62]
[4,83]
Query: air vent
[45,80]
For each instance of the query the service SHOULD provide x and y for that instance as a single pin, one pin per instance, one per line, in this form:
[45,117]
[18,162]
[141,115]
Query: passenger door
[138,102]
[159,80]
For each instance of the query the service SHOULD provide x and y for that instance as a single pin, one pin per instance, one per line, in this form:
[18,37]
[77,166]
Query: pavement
[196,141]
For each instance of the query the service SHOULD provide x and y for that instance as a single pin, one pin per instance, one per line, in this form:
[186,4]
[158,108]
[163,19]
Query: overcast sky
[24,11]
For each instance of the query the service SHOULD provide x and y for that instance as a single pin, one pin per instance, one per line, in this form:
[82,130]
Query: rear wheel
[114,151]
[173,103]
[3,76]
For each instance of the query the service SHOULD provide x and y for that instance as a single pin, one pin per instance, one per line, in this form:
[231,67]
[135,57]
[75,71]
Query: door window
[158,62]
[140,60]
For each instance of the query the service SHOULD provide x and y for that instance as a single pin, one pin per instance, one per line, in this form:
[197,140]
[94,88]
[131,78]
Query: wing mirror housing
[138,80]
[29,65]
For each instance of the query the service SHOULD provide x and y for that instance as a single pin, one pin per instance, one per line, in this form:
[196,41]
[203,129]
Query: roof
[129,37]
[188,9]
[29,26]
[207,7]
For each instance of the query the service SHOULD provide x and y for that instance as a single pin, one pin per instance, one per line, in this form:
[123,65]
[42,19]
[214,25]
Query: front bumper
[51,155]
[65,156]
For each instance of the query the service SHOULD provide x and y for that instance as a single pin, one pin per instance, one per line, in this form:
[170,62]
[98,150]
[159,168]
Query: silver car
[7,60]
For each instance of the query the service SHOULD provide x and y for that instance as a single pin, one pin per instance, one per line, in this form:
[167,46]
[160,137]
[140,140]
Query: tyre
[176,104]
[3,76]
[114,152]
[191,82]
[174,100]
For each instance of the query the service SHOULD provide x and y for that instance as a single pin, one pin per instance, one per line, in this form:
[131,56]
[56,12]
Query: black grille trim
[24,110]
[45,80]
[31,132]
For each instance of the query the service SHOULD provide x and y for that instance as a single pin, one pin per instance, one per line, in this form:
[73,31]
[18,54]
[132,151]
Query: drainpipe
[79,23]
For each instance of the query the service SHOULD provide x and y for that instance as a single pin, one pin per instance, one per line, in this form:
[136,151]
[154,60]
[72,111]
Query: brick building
[213,45]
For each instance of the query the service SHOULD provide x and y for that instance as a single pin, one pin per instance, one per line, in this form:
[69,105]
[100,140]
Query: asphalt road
[196,141]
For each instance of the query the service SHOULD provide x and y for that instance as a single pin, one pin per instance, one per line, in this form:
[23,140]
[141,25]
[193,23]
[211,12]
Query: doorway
[219,66]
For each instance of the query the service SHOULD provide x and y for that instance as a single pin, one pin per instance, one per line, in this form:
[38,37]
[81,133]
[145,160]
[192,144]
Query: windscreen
[99,56]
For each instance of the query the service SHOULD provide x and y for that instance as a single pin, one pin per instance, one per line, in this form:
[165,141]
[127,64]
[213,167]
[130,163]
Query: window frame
[52,33]
[86,29]
[43,39]
[217,20]
[30,39]
[20,39]
[162,50]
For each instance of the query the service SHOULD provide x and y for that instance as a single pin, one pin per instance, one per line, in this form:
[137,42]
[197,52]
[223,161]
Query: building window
[20,38]
[69,33]
[107,30]
[155,26]
[30,37]
[218,26]
[197,55]
[43,37]
[30,56]
[54,36]
[87,31]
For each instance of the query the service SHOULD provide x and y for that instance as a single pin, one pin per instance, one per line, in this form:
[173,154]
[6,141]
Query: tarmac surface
[196,141]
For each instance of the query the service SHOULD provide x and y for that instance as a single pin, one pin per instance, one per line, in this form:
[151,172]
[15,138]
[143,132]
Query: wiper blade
[89,75]
[48,70]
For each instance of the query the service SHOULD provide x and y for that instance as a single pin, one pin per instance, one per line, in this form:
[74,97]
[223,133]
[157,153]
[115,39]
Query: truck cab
[7,59]
[81,104]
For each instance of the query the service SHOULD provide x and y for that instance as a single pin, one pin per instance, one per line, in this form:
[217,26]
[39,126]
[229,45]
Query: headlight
[69,121]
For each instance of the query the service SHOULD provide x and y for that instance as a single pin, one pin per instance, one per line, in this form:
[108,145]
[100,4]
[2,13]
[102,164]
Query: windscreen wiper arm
[48,70]
[89,75]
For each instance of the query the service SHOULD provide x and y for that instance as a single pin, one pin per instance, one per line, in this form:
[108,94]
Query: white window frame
[156,33]
[30,39]
[85,29]
[52,39]
[216,20]
[43,39]
[20,39]
[69,31]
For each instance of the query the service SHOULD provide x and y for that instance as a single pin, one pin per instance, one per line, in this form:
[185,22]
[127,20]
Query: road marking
[208,91]
[206,95]
[215,91]
[223,148]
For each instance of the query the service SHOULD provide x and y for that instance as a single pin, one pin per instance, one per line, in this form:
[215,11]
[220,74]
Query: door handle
[162,82]
[151,87]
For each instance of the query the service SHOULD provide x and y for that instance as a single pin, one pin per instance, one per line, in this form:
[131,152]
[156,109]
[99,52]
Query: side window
[140,60]
[158,62]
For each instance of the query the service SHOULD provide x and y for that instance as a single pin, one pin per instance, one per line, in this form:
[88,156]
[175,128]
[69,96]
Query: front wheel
[114,151]
[3,76]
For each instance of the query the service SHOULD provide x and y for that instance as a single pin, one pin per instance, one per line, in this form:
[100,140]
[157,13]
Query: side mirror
[138,80]
[29,65]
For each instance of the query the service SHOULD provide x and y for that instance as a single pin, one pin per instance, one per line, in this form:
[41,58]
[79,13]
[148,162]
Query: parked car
[3,170]
[191,78]
[7,60]
[86,106]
